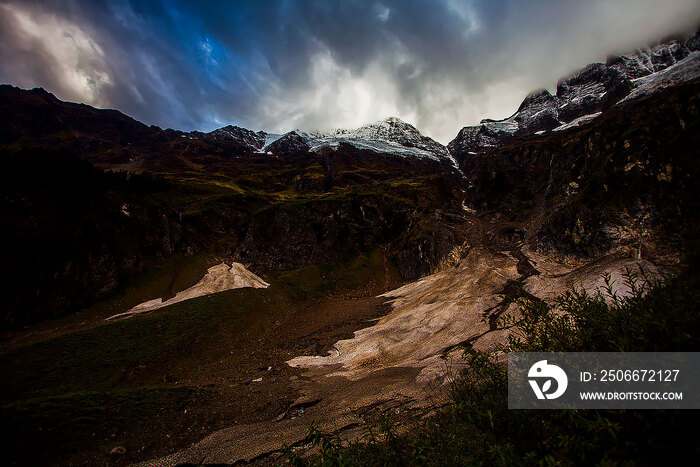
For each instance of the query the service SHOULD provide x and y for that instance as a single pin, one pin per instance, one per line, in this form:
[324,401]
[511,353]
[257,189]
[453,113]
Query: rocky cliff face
[645,62]
[582,96]
[622,182]
[74,233]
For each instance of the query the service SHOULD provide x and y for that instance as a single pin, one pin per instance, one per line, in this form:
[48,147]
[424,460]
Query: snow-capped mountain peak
[391,135]
[584,95]
[388,136]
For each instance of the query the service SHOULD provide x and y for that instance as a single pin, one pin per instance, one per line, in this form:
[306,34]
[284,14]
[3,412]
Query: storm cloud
[280,65]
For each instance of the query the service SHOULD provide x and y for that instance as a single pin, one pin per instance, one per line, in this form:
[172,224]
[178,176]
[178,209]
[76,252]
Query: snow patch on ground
[428,316]
[218,278]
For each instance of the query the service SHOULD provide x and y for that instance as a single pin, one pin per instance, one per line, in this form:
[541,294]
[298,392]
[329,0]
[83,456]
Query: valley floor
[236,375]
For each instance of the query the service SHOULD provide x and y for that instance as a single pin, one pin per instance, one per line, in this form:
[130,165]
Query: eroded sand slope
[432,316]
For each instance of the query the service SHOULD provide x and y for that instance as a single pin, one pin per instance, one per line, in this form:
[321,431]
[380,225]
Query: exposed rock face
[289,144]
[537,112]
[585,94]
[644,62]
[489,134]
[623,180]
[683,71]
[238,135]
[589,91]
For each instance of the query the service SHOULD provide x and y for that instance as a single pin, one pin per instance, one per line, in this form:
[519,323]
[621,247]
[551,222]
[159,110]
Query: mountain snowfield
[389,136]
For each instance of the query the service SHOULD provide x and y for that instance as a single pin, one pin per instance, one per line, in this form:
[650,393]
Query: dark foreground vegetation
[162,381]
[478,428]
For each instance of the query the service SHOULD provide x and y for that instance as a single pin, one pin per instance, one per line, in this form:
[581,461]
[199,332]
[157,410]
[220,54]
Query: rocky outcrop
[685,70]
[591,90]
[622,182]
[289,145]
[537,112]
[582,96]
[237,135]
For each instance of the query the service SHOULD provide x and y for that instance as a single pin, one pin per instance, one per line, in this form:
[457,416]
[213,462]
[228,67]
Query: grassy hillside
[157,382]
[80,233]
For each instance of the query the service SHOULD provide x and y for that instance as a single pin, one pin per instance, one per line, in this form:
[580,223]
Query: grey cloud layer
[279,65]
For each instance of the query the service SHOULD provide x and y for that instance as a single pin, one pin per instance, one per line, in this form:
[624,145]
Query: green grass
[315,280]
[137,351]
[108,356]
[136,377]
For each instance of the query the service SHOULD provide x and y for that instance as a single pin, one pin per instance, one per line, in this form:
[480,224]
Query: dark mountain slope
[113,141]
[40,117]
[108,138]
[78,233]
[73,232]
[626,180]
[623,180]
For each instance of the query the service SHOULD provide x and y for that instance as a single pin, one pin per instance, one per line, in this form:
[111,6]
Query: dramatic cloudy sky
[318,64]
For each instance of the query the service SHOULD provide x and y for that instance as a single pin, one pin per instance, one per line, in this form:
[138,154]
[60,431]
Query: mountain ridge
[355,189]
[389,136]
[105,213]
[585,93]
[579,97]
